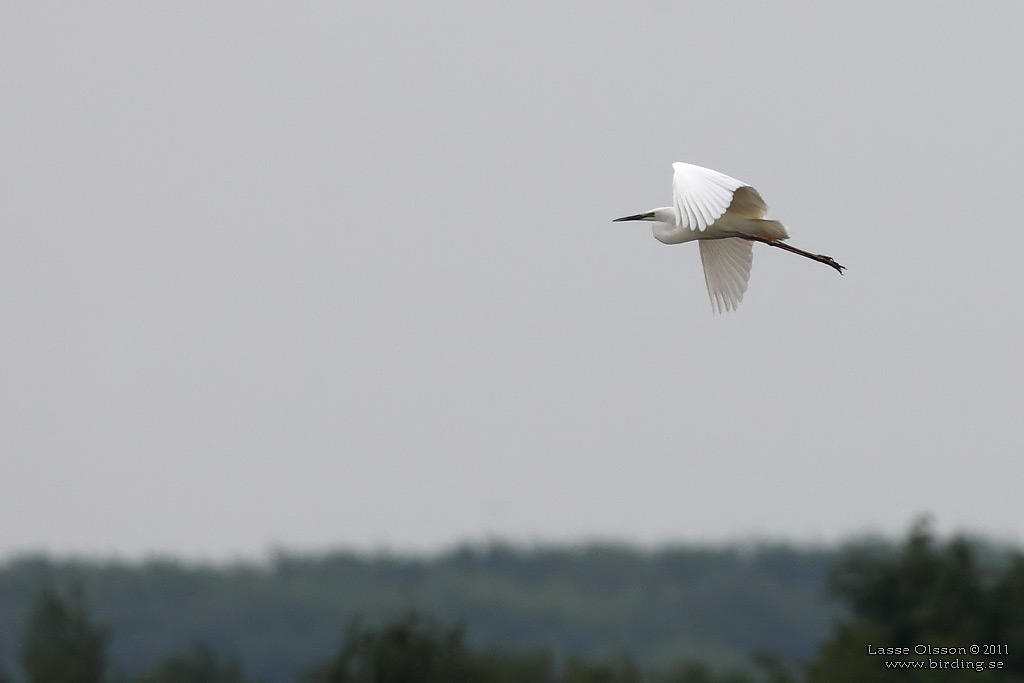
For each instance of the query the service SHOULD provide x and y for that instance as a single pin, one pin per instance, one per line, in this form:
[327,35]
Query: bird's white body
[668,230]
[727,216]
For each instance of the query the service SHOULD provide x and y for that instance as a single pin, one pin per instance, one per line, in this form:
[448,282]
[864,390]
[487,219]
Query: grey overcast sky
[309,275]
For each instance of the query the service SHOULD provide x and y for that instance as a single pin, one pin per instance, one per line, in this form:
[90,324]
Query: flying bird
[727,216]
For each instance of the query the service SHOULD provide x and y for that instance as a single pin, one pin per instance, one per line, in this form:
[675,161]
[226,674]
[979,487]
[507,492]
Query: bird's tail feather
[773,230]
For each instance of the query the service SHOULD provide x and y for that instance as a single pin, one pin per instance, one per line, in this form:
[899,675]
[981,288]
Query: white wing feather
[701,195]
[726,270]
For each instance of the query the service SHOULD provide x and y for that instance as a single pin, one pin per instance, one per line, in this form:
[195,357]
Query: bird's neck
[666,226]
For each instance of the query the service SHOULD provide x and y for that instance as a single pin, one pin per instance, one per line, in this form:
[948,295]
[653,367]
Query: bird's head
[665,214]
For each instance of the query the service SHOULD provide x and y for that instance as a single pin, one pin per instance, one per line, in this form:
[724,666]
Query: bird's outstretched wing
[726,270]
[701,195]
[747,202]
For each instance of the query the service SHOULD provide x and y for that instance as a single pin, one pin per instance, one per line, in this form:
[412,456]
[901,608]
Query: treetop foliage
[597,601]
[899,598]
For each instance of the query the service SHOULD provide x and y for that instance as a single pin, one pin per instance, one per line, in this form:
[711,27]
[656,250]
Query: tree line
[594,602]
[926,600]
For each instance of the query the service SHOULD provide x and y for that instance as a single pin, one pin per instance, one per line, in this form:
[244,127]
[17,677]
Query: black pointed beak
[635,217]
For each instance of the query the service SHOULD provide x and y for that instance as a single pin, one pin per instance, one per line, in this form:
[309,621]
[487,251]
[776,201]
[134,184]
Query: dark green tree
[413,650]
[61,643]
[198,665]
[418,650]
[622,670]
[926,593]
[1008,617]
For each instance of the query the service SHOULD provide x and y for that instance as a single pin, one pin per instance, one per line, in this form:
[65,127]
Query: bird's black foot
[829,261]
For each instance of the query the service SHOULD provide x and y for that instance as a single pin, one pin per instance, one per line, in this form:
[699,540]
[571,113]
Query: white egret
[727,216]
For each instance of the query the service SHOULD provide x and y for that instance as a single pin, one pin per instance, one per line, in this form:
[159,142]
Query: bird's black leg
[820,258]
